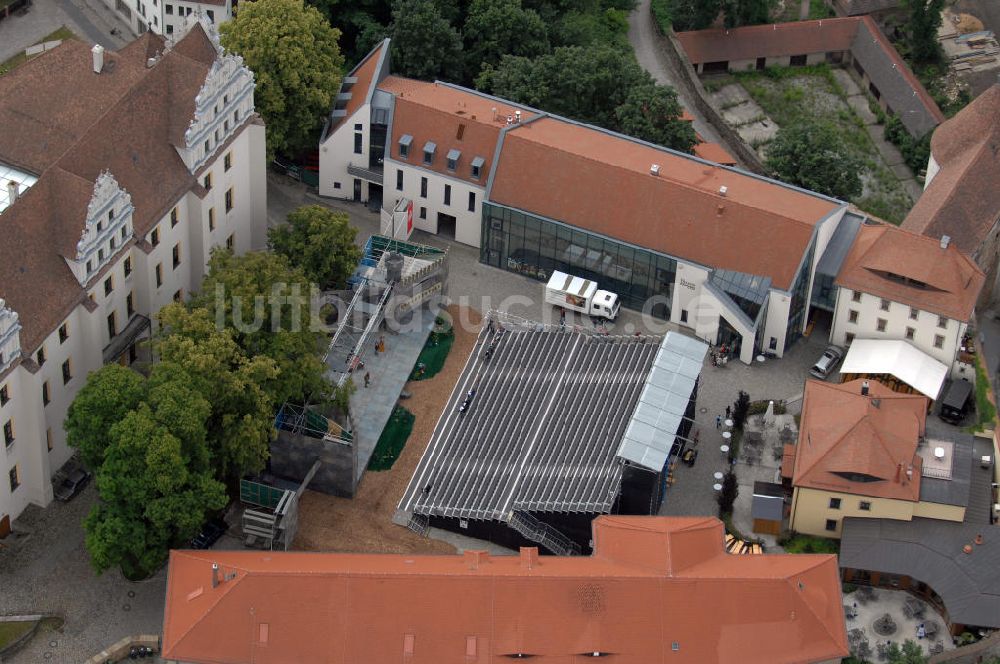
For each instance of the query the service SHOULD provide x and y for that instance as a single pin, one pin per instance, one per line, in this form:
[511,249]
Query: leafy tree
[239,427]
[103,401]
[295,58]
[910,653]
[588,84]
[424,43]
[727,496]
[813,156]
[494,28]
[925,19]
[740,410]
[745,12]
[651,112]
[155,482]
[320,242]
[266,303]
[694,14]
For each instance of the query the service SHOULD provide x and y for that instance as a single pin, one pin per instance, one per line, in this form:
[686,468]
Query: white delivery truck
[565,290]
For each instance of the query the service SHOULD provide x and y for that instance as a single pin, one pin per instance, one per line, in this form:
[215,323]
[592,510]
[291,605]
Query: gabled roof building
[656,589]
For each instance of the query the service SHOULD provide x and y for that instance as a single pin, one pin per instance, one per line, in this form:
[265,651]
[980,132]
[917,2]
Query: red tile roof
[953,279]
[843,431]
[750,42]
[365,72]
[963,201]
[601,182]
[714,152]
[652,582]
[440,113]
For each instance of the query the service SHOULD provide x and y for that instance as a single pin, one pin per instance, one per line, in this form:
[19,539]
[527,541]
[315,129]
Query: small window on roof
[453,157]
[477,167]
[429,148]
[404,145]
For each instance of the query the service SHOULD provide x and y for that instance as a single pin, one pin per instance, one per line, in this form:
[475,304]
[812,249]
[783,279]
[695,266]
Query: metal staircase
[541,532]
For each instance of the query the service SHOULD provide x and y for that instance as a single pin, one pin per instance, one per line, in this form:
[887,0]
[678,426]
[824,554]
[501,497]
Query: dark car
[955,401]
[210,534]
[72,485]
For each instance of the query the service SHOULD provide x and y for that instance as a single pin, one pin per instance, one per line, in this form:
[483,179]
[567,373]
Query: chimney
[945,241]
[510,119]
[473,559]
[899,470]
[967,549]
[864,389]
[13,191]
[722,190]
[529,557]
[98,53]
[979,538]
[654,169]
[215,574]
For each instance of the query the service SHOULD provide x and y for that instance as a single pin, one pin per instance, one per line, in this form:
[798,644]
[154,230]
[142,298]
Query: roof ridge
[835,637]
[214,601]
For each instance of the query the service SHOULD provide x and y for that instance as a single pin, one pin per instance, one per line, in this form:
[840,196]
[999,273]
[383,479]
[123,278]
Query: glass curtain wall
[800,297]
[526,244]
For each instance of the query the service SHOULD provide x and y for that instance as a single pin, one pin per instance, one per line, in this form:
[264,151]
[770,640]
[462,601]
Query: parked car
[73,484]
[210,534]
[828,362]
[955,400]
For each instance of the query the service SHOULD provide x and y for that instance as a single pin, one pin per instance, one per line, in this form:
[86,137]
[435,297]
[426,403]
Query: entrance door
[761,63]
[446,225]
[357,189]
[5,526]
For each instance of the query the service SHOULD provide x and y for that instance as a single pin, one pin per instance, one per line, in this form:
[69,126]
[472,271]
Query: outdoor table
[729,423]
[930,629]
[727,435]
[914,606]
[717,475]
[850,612]
[724,449]
[717,487]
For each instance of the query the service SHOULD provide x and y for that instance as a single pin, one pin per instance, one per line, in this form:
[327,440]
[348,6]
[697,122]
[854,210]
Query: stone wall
[292,455]
[981,651]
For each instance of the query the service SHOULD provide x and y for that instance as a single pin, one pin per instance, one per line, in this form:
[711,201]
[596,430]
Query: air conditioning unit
[985,461]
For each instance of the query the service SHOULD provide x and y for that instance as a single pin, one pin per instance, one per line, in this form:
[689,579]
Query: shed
[768,508]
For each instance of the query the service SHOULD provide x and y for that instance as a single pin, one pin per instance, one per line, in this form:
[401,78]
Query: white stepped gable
[108,227]
[10,336]
[223,103]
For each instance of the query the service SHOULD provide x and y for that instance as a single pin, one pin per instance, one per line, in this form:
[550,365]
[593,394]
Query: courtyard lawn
[434,352]
[61,33]
[390,443]
[12,631]
[792,96]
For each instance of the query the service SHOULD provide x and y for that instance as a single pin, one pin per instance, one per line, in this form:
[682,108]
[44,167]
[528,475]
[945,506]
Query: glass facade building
[524,243]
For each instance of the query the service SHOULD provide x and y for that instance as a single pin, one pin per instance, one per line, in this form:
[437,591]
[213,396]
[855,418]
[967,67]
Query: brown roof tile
[651,583]
[365,73]
[747,43]
[601,182]
[953,279]
[963,201]
[843,431]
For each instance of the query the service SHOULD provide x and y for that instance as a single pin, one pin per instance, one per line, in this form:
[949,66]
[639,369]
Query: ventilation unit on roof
[98,56]
[13,190]
[722,190]
[945,241]
[517,116]
[654,169]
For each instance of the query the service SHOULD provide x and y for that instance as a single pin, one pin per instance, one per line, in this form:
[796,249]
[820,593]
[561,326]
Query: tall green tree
[239,427]
[910,653]
[155,483]
[813,156]
[319,242]
[494,28]
[109,393]
[296,60]
[424,44]
[266,303]
[651,112]
[925,19]
[694,14]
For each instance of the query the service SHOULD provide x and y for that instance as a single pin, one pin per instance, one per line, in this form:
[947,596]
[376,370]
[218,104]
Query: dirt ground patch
[364,523]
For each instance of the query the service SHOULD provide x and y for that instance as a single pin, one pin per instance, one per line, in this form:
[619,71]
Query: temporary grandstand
[548,427]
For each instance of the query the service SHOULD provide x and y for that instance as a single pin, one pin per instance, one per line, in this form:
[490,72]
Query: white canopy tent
[898,358]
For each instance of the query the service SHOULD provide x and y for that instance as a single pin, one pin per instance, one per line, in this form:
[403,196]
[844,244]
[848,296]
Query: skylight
[10,174]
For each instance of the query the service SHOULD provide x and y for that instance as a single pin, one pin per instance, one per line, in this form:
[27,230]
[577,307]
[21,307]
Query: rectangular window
[170,10]
[358,143]
[476,170]
[154,237]
[124,232]
[4,395]
[48,439]
[90,268]
[159,274]
[63,333]
[128,266]
[447,194]
[109,285]
[231,241]
[684,315]
[423,187]
[880,324]
[910,332]
[211,219]
[831,525]
[176,255]
[942,322]
[8,432]
[884,304]
[45,393]
[399,180]
[227,161]
[472,201]
[174,218]
[15,480]
[130,305]
[112,324]
[914,313]
[210,14]
[428,156]
[170,29]
[852,316]
[835,503]
[67,372]
[207,182]
[938,341]
[40,356]
[229,200]
[179,295]
[856,296]
[423,213]
[404,150]
[865,506]
[452,164]
[848,338]
[208,148]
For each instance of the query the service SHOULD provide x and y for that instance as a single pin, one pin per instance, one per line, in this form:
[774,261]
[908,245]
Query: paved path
[90,20]
[643,37]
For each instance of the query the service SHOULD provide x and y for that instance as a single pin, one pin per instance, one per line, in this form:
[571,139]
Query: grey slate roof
[839,245]
[954,491]
[930,550]
[542,430]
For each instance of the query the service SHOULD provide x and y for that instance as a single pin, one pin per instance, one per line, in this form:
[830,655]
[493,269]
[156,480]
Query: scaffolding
[303,420]
[274,519]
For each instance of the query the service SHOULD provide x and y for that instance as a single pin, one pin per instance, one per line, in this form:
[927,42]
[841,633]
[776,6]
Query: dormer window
[404,146]
[477,167]
[453,157]
[429,148]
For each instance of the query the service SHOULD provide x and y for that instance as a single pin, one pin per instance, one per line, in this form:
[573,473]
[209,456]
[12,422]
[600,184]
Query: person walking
[367,378]
[718,421]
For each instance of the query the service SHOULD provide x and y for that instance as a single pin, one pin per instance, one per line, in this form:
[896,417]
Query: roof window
[404,145]
[429,148]
[477,167]
[453,157]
